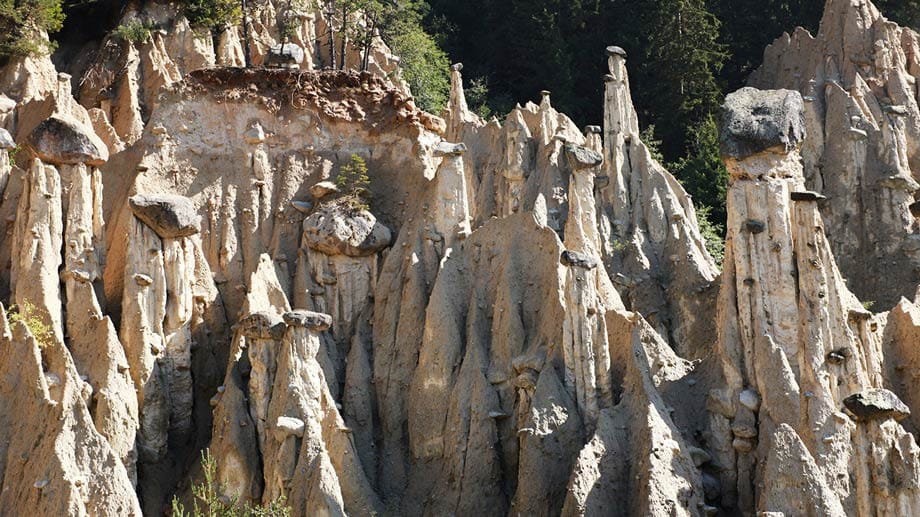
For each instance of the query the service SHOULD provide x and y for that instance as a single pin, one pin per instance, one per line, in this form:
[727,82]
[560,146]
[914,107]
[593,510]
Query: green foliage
[209,503]
[524,46]
[31,316]
[135,31]
[212,14]
[477,97]
[354,184]
[702,172]
[398,22]
[22,23]
[651,141]
[424,66]
[682,58]
[705,177]
[868,305]
[713,234]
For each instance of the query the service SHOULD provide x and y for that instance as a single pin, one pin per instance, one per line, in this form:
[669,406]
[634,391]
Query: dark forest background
[684,56]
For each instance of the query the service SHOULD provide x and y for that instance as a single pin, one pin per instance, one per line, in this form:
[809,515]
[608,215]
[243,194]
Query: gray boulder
[876,404]
[582,157]
[755,120]
[170,216]
[262,325]
[575,259]
[308,319]
[449,149]
[335,229]
[62,140]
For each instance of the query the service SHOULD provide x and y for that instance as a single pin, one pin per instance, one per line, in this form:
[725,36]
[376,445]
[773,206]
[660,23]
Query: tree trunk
[247,55]
[329,23]
[368,42]
[344,45]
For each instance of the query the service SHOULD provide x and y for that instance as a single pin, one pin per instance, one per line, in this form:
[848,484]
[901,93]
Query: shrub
[22,23]
[477,97]
[209,503]
[31,316]
[134,31]
[354,184]
[212,14]
[424,66]
[712,234]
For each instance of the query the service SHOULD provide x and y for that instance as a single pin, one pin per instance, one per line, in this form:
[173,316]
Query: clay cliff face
[522,320]
[858,79]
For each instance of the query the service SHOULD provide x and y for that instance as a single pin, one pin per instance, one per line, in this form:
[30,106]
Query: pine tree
[702,172]
[23,22]
[748,26]
[677,79]
[354,184]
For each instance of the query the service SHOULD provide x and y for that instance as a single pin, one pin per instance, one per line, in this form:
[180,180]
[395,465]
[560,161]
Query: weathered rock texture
[858,76]
[797,348]
[278,432]
[52,458]
[645,231]
[521,320]
[170,305]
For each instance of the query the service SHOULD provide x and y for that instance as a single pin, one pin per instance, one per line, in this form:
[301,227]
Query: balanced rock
[876,404]
[62,140]
[262,325]
[323,189]
[614,50]
[755,120]
[308,319]
[583,157]
[807,195]
[338,230]
[170,216]
[289,426]
[303,207]
[576,259]
[449,149]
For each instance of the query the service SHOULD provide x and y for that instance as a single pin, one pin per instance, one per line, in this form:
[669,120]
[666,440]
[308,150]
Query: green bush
[354,184]
[134,31]
[213,14]
[31,316]
[424,66]
[712,234]
[22,23]
[209,503]
[477,97]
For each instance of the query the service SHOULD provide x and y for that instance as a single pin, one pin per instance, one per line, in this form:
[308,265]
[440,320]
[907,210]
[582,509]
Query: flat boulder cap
[63,140]
[754,121]
[335,229]
[308,319]
[170,216]
[876,404]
